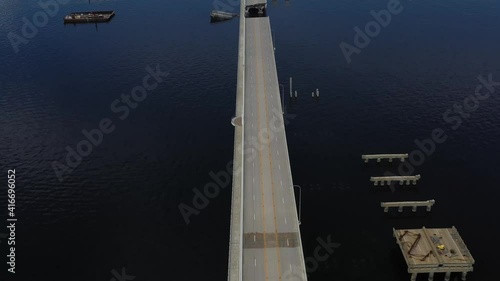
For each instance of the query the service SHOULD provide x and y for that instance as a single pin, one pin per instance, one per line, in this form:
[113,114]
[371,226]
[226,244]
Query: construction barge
[89,17]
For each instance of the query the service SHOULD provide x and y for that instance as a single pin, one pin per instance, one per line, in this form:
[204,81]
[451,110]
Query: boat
[89,17]
[216,16]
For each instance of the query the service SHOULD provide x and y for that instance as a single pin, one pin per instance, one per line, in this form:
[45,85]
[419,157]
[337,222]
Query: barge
[89,17]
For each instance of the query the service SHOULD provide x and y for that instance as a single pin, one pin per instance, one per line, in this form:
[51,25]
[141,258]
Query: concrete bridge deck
[265,235]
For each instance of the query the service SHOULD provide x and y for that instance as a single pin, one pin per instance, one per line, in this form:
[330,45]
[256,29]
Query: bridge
[265,242]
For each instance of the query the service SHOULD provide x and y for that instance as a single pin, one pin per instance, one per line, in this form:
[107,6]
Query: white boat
[221,16]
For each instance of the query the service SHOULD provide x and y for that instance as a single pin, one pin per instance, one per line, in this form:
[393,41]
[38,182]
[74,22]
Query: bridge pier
[379,157]
[413,204]
[400,179]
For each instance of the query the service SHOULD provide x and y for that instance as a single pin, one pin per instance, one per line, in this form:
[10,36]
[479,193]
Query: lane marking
[285,220]
[259,50]
[283,200]
[260,166]
[278,152]
[253,216]
[287,242]
[279,166]
[260,62]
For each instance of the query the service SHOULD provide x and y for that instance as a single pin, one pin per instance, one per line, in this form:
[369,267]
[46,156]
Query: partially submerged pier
[413,204]
[89,17]
[379,157]
[434,250]
[400,179]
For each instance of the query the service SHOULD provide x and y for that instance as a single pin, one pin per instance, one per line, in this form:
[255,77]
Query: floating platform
[216,16]
[89,17]
[434,250]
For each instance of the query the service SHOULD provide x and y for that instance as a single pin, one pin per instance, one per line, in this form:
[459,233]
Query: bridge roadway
[270,246]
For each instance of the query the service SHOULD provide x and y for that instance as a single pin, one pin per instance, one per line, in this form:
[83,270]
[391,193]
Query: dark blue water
[119,207]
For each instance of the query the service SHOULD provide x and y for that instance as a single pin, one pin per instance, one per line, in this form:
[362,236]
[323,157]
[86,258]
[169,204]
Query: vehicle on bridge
[256,10]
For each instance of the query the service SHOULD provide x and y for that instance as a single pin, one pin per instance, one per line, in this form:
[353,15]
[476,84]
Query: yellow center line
[270,159]
[260,165]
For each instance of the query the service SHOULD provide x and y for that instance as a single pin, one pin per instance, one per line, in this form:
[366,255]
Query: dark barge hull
[89,17]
